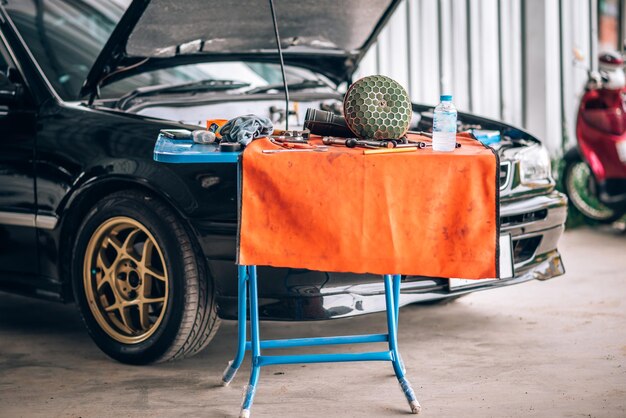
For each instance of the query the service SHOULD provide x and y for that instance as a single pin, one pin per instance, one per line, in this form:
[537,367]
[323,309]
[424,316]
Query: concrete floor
[540,349]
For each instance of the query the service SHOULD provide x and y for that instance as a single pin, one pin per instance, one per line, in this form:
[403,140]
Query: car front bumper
[535,225]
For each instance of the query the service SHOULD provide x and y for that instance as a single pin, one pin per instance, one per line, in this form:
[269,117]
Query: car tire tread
[199,324]
[198,321]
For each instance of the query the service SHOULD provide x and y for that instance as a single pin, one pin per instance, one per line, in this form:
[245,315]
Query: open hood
[327,36]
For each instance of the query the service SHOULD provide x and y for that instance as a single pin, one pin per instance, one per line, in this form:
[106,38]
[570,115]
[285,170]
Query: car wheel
[141,286]
[580,188]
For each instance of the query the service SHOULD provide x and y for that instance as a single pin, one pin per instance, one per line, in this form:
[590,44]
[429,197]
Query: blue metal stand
[177,151]
[247,280]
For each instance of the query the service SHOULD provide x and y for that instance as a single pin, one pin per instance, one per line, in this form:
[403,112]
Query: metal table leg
[233,365]
[248,279]
[256,344]
[392,301]
[397,279]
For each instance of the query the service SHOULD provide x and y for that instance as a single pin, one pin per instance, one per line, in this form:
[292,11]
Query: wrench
[276,151]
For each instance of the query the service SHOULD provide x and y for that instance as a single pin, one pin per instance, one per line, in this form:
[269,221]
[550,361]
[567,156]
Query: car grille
[505,174]
[524,218]
[524,249]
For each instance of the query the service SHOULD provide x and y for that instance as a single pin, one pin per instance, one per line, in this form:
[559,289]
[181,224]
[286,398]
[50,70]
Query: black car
[146,249]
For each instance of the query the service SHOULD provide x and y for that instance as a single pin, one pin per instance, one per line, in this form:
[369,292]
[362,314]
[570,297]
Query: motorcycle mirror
[578,55]
[579,59]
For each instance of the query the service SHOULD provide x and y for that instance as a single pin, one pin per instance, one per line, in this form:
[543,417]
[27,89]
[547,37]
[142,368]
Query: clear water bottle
[444,125]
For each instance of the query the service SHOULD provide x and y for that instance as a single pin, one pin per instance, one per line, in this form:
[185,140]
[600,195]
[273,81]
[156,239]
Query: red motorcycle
[595,171]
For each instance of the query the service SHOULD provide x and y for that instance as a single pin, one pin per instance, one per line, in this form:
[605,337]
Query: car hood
[327,36]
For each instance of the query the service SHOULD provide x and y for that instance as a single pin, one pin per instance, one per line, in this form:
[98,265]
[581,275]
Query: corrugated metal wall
[505,59]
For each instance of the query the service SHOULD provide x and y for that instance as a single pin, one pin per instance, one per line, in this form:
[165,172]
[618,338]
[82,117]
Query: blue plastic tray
[184,151]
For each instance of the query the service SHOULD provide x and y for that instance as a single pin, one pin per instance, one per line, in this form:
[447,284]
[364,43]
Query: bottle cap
[446,98]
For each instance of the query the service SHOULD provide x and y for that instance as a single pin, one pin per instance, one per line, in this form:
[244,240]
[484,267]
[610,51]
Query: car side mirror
[10,93]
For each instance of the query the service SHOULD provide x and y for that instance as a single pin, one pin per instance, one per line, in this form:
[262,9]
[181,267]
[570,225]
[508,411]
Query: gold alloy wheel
[125,280]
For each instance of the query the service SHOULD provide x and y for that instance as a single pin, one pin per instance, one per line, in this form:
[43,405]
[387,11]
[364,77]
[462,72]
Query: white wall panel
[575,35]
[447,48]
[415,52]
[485,73]
[368,64]
[428,64]
[511,41]
[394,52]
[458,71]
[553,134]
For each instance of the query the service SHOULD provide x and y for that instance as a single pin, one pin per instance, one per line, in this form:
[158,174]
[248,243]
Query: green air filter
[377,107]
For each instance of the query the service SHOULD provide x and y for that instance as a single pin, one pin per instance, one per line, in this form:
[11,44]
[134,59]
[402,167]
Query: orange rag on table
[416,213]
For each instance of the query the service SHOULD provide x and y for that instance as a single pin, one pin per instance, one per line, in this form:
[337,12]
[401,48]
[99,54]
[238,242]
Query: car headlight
[534,164]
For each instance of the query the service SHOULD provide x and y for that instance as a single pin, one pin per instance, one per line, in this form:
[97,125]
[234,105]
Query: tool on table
[422,133]
[429,145]
[409,145]
[346,142]
[176,133]
[200,136]
[389,150]
[377,107]
[303,146]
[422,144]
[376,144]
[276,151]
[289,140]
[294,136]
[323,123]
[292,144]
[362,143]
[294,133]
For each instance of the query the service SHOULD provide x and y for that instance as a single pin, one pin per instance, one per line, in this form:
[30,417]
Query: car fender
[128,174]
[93,186]
[573,154]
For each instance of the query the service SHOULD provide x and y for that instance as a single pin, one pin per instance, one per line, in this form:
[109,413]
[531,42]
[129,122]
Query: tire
[579,184]
[140,283]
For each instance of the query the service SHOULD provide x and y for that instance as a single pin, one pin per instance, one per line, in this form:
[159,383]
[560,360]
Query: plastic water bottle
[444,125]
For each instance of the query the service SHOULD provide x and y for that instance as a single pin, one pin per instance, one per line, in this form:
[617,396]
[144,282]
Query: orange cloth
[416,213]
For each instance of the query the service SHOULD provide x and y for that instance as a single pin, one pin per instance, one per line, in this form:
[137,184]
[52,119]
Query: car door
[18,235]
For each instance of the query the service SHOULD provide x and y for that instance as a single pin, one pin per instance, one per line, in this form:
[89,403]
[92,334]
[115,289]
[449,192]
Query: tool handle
[347,142]
[293,140]
[329,140]
[300,145]
[388,150]
[372,143]
[422,133]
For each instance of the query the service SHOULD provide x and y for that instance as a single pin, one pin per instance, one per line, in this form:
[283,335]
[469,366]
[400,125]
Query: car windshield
[253,74]
[66,36]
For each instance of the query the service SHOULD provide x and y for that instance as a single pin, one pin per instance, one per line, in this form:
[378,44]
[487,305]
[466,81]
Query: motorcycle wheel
[580,186]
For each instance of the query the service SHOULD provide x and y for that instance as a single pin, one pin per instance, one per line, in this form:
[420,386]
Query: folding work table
[177,151]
